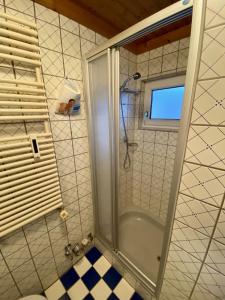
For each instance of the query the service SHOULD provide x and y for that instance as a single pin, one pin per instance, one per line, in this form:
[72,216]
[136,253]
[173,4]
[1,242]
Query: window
[167,103]
[163,102]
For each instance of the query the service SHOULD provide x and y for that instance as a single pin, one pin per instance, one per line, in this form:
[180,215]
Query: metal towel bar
[29,182]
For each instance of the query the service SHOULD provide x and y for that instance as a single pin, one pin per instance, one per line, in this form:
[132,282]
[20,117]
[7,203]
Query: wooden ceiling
[109,17]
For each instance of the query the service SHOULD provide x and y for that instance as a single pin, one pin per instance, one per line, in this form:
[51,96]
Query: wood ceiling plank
[151,7]
[164,39]
[113,12]
[108,18]
[131,6]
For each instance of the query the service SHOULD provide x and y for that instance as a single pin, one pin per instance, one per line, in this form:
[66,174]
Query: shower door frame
[198,8]
[111,66]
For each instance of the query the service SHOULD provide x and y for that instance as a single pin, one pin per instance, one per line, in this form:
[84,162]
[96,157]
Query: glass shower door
[100,107]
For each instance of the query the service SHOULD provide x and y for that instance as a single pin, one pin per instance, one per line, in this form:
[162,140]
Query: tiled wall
[32,257]
[127,67]
[154,160]
[195,268]
[147,183]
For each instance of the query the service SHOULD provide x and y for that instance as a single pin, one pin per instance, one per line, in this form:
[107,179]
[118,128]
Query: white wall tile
[49,36]
[46,14]
[66,166]
[203,183]
[215,13]
[52,62]
[143,68]
[197,214]
[213,53]
[63,149]
[100,39]
[155,66]
[205,146]
[170,61]
[80,145]
[192,241]
[79,128]
[61,130]
[69,25]
[71,44]
[87,33]
[86,46]
[208,102]
[156,52]
[171,47]
[24,6]
[72,67]
[213,281]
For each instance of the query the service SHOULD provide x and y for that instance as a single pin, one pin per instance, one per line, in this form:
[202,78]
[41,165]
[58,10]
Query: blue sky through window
[167,103]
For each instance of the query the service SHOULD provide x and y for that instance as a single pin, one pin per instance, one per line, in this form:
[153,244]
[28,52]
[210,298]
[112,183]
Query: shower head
[135,76]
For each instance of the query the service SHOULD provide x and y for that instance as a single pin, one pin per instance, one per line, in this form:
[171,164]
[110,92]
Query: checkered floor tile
[93,277]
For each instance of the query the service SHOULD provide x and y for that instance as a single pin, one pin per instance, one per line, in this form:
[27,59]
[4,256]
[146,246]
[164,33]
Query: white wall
[32,257]
[195,267]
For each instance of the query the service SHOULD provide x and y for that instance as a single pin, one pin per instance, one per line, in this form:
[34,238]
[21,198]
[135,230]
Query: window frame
[160,83]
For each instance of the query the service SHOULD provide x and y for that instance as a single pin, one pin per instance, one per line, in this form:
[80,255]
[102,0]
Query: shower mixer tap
[69,251]
[78,248]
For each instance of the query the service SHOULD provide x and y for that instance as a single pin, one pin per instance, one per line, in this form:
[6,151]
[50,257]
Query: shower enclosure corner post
[116,138]
[91,141]
[99,71]
[198,18]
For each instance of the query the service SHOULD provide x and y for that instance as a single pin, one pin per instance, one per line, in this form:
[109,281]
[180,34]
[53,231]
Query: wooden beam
[112,12]
[76,12]
[89,18]
[162,40]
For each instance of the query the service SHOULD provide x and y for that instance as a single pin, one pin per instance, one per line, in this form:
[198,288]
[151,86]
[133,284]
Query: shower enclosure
[138,236]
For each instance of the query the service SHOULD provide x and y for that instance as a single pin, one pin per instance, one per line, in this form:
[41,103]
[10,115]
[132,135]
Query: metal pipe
[18,36]
[25,161]
[27,97]
[19,52]
[17,28]
[22,82]
[20,59]
[29,218]
[18,20]
[19,44]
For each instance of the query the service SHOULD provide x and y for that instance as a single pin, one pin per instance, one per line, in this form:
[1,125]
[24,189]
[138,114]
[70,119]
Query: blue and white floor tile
[93,277]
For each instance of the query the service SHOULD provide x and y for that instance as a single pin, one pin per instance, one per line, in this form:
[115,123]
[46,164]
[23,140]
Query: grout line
[203,165]
[193,198]
[60,52]
[211,78]
[32,258]
[207,249]
[50,241]
[9,272]
[207,125]
[215,26]
[163,181]
[195,229]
